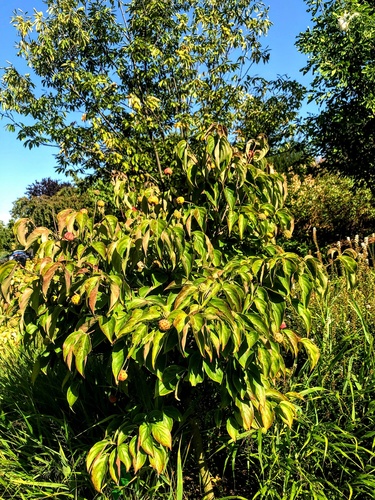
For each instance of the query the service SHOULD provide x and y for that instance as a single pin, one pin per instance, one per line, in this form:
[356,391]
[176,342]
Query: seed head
[153,200]
[76,299]
[122,376]
[164,325]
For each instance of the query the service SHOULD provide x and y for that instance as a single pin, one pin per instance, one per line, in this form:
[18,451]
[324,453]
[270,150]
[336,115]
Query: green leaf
[72,393]
[268,415]
[139,460]
[232,218]
[242,224]
[288,412]
[312,351]
[304,313]
[168,380]
[306,288]
[99,470]
[162,434]
[95,452]
[184,296]
[119,353]
[233,295]
[180,319]
[124,455]
[214,371]
[7,271]
[258,323]
[159,460]
[200,215]
[145,439]
[82,348]
[196,321]
[100,247]
[132,323]
[114,466]
[232,428]
[247,413]
[107,326]
[230,198]
[195,370]
[157,344]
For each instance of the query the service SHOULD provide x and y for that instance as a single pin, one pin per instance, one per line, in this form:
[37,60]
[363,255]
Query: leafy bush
[335,205]
[169,321]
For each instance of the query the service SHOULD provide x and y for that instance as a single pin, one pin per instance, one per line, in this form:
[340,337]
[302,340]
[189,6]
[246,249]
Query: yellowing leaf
[159,460]
[21,229]
[48,275]
[162,434]
[145,439]
[114,466]
[99,471]
[312,351]
[94,452]
[247,413]
[139,460]
[288,412]
[267,414]
[124,455]
[232,428]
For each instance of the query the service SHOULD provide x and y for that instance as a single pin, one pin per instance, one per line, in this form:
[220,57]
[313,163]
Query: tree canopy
[114,85]
[341,51]
[46,198]
[46,187]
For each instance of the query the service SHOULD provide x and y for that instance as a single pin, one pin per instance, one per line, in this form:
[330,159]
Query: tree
[46,198]
[177,307]
[6,237]
[116,85]
[341,51]
[46,187]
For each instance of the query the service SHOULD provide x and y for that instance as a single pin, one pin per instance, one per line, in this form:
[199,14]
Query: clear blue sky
[20,167]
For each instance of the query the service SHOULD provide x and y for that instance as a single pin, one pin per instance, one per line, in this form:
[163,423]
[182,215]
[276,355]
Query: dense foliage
[44,199]
[340,49]
[6,237]
[181,342]
[332,204]
[178,305]
[46,187]
[114,85]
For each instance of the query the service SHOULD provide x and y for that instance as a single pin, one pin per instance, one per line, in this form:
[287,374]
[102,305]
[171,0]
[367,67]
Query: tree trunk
[204,472]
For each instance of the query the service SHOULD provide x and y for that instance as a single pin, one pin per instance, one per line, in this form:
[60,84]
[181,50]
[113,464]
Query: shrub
[186,295]
[333,204]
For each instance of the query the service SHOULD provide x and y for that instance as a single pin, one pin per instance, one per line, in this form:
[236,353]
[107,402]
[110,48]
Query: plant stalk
[204,472]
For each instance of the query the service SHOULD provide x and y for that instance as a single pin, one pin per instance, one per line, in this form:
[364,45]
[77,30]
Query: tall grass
[329,454]
[40,455]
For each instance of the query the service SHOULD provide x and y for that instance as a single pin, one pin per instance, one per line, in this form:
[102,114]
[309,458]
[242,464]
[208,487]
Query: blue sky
[20,167]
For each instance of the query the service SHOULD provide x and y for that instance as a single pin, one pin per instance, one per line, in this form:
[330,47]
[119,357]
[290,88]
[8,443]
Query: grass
[40,456]
[329,454]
